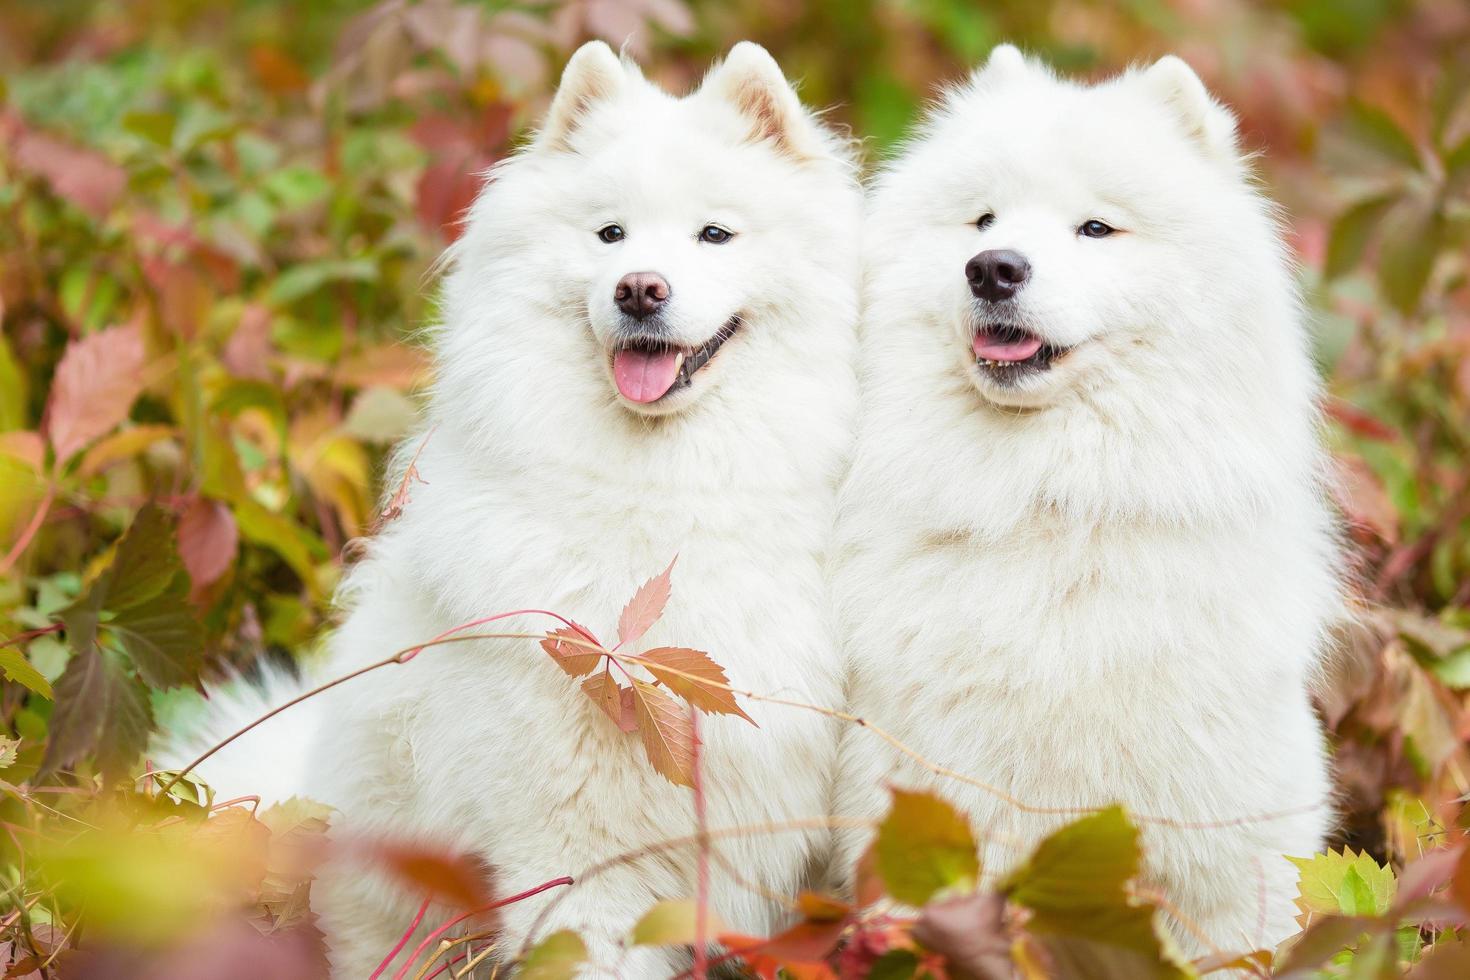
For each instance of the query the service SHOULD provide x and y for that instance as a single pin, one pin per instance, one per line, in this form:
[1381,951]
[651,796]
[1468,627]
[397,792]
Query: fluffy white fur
[545,489]
[1110,581]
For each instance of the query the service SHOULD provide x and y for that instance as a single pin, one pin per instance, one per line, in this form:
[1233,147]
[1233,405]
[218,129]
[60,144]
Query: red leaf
[800,951]
[969,932]
[700,690]
[615,700]
[95,384]
[1359,422]
[208,539]
[667,732]
[461,880]
[646,606]
[86,179]
[574,658]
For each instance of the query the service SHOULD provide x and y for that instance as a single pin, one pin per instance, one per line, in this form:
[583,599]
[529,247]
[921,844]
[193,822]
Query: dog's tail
[269,760]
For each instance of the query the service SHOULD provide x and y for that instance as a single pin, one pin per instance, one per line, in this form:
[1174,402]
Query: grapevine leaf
[615,700]
[17,668]
[557,957]
[667,733]
[924,846]
[96,382]
[646,606]
[163,636]
[673,923]
[574,658]
[208,540]
[702,690]
[1075,884]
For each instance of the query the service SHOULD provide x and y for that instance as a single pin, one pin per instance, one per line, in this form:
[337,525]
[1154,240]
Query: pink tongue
[645,376]
[1005,350]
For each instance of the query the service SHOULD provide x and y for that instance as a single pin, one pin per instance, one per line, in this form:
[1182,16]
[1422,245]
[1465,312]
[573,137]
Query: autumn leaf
[1076,885]
[924,846]
[613,699]
[969,932]
[208,540]
[646,606]
[575,658]
[96,382]
[667,732]
[100,711]
[673,923]
[557,957]
[9,747]
[1345,883]
[460,880]
[702,690]
[17,668]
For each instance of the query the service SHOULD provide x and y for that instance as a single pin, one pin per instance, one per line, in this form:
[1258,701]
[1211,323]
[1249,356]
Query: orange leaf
[701,690]
[800,951]
[458,879]
[667,732]
[208,539]
[574,658]
[615,700]
[646,606]
[95,384]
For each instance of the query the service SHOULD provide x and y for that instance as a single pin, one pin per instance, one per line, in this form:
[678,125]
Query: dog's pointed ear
[1005,61]
[1171,80]
[594,74]
[750,80]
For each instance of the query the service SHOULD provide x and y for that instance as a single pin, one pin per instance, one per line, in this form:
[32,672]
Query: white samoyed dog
[1084,553]
[647,350]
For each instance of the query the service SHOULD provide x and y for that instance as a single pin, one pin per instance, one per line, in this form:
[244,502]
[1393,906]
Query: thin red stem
[491,619]
[402,940]
[31,530]
[701,894]
[431,937]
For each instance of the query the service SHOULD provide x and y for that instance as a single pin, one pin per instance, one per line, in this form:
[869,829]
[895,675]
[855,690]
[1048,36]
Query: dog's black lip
[694,357]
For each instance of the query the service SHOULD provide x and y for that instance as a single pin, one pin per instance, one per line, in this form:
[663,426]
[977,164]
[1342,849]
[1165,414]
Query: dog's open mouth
[646,369]
[1005,352]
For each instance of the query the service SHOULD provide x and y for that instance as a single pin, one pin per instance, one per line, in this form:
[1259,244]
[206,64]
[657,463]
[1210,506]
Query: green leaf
[307,277]
[297,546]
[1344,883]
[13,387]
[1409,248]
[145,562]
[556,957]
[156,127]
[672,923]
[163,636]
[1378,130]
[17,668]
[1351,232]
[925,846]
[1076,886]
[296,186]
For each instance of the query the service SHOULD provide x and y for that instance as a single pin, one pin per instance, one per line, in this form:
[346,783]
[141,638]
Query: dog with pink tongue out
[646,350]
[1084,553]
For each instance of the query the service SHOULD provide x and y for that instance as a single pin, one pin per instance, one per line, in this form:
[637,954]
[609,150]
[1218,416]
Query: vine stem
[402,940]
[502,903]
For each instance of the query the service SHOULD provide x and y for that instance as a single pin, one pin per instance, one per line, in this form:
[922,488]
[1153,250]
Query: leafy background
[218,226]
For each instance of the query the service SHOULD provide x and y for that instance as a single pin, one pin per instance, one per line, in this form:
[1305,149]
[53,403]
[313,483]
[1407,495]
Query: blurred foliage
[218,226]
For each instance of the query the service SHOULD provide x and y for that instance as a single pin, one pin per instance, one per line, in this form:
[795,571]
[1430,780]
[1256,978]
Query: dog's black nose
[997,273]
[640,294]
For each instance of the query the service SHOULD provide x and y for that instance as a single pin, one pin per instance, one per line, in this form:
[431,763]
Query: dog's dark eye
[1094,229]
[715,235]
[610,233]
[986,220]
